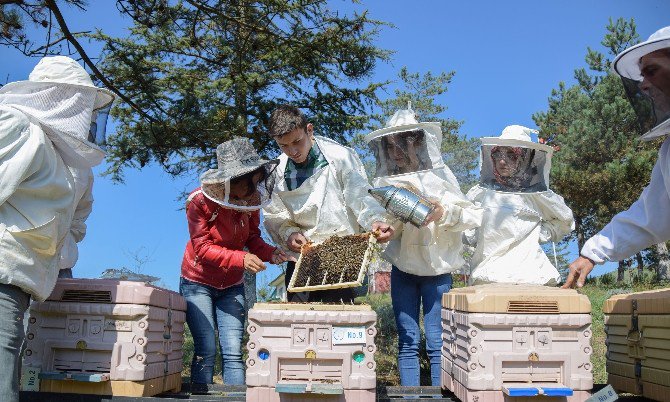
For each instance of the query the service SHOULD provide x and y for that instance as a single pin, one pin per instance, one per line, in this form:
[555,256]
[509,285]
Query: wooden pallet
[170,383]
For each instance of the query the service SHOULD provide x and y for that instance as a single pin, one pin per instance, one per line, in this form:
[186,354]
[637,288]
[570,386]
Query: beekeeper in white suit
[520,211]
[320,191]
[645,72]
[44,128]
[407,154]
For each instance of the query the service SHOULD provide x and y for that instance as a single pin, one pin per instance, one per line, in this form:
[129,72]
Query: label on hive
[118,325]
[606,394]
[348,335]
[30,380]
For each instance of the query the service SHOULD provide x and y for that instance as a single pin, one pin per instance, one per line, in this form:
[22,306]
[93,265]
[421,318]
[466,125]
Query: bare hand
[579,270]
[295,241]
[253,264]
[278,257]
[435,214]
[382,231]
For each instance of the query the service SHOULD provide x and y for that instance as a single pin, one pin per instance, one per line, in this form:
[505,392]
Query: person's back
[44,126]
[35,200]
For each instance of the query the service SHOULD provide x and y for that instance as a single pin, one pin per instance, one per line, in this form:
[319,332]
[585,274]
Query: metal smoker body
[404,204]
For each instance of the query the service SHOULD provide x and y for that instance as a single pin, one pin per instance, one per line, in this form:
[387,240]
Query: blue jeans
[13,306]
[408,293]
[207,309]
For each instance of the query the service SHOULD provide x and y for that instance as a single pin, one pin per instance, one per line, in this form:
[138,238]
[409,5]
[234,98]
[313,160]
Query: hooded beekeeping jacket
[36,195]
[515,223]
[436,248]
[44,127]
[333,201]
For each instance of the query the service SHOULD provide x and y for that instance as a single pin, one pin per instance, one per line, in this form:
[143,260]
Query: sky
[507,57]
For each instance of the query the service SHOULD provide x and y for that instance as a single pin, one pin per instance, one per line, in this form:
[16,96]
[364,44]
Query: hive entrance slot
[532,307]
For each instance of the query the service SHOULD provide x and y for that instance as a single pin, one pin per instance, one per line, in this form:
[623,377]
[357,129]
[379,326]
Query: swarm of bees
[338,262]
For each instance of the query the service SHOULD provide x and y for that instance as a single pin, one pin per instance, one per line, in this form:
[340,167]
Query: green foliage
[602,166]
[205,71]
[18,18]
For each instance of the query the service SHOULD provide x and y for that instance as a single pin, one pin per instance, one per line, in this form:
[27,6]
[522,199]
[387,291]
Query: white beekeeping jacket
[436,248]
[508,242]
[36,196]
[520,211]
[334,201]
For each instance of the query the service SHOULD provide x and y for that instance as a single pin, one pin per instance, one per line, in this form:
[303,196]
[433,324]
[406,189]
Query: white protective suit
[436,248]
[645,223]
[514,224]
[334,201]
[44,126]
[36,198]
[83,204]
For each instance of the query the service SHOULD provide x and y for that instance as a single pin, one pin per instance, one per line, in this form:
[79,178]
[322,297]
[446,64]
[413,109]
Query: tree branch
[51,4]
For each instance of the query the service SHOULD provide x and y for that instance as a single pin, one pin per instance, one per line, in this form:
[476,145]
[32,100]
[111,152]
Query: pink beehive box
[303,352]
[97,330]
[503,341]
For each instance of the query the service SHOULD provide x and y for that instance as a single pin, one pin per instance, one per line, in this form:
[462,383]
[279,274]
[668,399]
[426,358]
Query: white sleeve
[645,223]
[83,210]
[278,222]
[459,212]
[355,188]
[557,219]
[469,236]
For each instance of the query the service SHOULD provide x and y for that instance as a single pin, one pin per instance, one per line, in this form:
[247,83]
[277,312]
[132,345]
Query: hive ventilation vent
[532,307]
[87,296]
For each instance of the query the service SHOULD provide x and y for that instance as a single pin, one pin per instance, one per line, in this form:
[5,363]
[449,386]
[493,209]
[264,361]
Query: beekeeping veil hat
[514,163]
[239,165]
[651,103]
[405,145]
[60,96]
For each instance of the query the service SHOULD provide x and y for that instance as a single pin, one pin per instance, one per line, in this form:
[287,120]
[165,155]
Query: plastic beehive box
[637,328]
[517,339]
[339,262]
[304,352]
[102,330]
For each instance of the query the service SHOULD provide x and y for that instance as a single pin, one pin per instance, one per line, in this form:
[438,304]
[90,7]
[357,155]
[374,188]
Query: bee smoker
[404,204]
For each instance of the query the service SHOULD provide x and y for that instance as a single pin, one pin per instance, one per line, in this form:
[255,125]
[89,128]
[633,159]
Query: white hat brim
[509,142]
[103,98]
[434,127]
[627,63]
[215,176]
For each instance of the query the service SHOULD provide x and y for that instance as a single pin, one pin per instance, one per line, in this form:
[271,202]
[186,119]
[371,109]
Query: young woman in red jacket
[225,240]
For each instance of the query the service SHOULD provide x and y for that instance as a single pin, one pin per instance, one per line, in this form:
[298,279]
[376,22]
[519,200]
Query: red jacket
[214,254]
